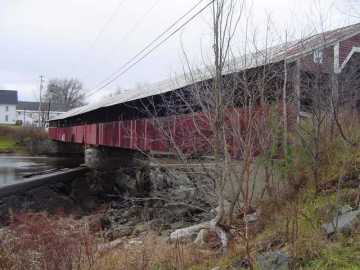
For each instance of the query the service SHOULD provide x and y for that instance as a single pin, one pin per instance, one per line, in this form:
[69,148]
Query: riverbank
[23,140]
[124,219]
[9,145]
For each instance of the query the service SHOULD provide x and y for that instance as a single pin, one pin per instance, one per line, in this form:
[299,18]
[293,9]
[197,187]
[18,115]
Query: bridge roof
[292,51]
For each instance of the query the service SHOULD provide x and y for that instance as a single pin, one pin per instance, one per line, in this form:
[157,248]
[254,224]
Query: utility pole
[42,80]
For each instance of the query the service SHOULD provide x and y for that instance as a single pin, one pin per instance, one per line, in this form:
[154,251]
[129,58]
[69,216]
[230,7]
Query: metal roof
[9,97]
[292,50]
[34,106]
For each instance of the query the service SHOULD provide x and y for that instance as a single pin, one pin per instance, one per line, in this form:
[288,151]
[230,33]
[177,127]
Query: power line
[128,65]
[131,31]
[102,29]
[107,23]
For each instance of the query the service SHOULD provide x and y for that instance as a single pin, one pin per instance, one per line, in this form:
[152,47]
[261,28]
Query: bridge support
[109,158]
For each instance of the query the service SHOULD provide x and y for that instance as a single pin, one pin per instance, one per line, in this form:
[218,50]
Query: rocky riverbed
[121,203]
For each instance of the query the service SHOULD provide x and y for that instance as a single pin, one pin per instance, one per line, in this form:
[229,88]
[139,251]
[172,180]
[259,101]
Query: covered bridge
[130,120]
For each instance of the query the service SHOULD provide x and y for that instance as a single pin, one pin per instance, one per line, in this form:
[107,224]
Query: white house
[27,112]
[8,102]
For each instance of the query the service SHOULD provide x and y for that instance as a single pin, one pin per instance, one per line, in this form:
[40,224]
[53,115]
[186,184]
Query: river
[14,168]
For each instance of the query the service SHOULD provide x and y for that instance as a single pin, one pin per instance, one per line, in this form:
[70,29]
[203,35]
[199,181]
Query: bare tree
[223,113]
[68,92]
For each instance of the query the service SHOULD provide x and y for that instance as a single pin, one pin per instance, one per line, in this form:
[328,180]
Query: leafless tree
[224,112]
[68,92]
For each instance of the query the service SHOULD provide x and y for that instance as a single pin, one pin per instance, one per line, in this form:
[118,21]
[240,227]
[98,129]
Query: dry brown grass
[37,241]
[22,133]
[153,252]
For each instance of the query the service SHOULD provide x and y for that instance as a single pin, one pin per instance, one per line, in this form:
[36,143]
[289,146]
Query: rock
[251,218]
[135,242]
[139,228]
[105,222]
[131,212]
[111,245]
[227,206]
[345,223]
[119,232]
[344,209]
[184,194]
[156,224]
[202,237]
[176,212]
[158,180]
[273,261]
[177,225]
[240,264]
[189,233]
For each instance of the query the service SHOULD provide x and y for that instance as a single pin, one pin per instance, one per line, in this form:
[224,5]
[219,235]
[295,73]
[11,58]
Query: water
[14,169]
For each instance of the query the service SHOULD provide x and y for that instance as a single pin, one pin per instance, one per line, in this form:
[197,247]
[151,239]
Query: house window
[318,56]
[7,108]
[6,118]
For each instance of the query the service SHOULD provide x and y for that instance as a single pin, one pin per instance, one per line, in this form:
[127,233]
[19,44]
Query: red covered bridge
[142,119]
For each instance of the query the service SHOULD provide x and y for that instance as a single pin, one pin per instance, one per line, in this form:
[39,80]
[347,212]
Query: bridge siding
[191,133]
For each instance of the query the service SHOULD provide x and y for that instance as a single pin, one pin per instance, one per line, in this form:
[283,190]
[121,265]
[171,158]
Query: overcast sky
[90,39]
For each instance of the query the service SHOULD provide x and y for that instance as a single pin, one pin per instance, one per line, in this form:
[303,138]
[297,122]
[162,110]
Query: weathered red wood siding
[346,47]
[326,66]
[189,133]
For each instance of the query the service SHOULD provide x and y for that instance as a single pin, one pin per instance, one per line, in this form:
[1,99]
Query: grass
[343,255]
[7,145]
[14,139]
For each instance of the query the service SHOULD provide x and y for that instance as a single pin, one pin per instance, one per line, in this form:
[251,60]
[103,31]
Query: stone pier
[108,158]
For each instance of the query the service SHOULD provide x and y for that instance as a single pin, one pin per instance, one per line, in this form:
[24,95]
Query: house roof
[34,106]
[291,50]
[8,97]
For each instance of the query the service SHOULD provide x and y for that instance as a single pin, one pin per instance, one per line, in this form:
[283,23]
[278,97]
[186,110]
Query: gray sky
[90,39]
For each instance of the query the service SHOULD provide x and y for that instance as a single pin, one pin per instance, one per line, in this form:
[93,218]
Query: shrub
[35,241]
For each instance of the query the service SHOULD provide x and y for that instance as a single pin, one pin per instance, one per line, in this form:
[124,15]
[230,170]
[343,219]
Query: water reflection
[14,168]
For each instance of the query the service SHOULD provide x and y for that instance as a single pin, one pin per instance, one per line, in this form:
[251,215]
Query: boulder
[344,223]
[188,233]
[119,232]
[202,238]
[240,264]
[344,209]
[273,261]
[158,179]
[251,218]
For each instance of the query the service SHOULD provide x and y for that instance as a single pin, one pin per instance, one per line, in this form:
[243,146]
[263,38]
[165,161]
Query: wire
[128,65]
[107,23]
[127,35]
[101,31]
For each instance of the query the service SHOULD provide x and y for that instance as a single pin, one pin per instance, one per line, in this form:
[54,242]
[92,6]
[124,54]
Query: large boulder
[346,220]
[273,261]
[202,238]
